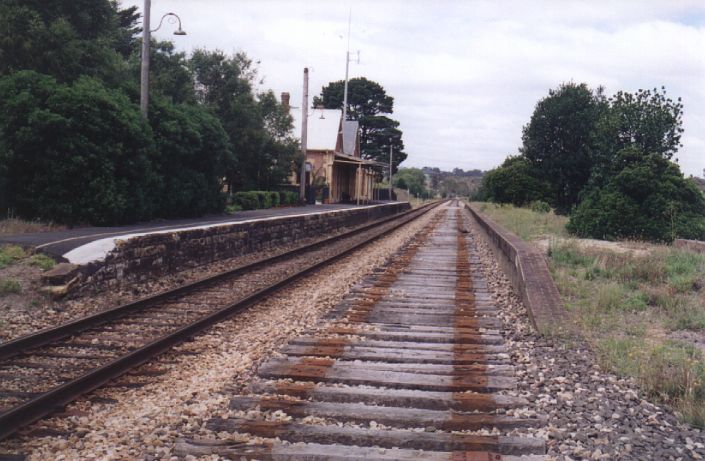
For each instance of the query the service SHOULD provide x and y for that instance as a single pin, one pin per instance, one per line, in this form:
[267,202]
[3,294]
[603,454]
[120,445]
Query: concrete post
[304,134]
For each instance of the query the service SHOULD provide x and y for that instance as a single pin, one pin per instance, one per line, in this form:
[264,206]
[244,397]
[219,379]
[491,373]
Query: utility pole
[304,133]
[144,74]
[347,66]
[391,155]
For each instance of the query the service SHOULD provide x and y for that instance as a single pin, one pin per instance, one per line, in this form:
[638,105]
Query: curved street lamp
[146,38]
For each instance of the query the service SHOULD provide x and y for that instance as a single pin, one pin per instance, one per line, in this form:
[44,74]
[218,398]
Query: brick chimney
[285,100]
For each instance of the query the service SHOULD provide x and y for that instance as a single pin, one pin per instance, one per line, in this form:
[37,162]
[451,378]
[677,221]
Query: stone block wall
[526,269]
[149,256]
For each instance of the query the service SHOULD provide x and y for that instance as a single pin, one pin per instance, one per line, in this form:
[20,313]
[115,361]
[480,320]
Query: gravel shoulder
[196,378]
[592,414]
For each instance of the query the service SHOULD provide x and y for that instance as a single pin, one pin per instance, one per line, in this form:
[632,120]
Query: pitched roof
[350,128]
[322,127]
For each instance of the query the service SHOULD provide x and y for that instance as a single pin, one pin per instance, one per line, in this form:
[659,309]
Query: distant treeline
[74,147]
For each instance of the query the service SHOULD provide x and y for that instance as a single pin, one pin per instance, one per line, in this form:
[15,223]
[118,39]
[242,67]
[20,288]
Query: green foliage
[288,198]
[648,199]
[274,198]
[8,286]
[515,182]
[367,103]
[193,151]
[558,142]
[42,261]
[412,179]
[539,206]
[66,39]
[246,200]
[10,254]
[75,153]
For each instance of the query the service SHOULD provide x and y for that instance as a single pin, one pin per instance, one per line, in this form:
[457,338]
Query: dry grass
[622,301]
[628,298]
[14,226]
[527,224]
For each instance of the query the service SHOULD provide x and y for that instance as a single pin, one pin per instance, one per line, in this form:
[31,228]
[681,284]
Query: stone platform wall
[149,256]
[526,269]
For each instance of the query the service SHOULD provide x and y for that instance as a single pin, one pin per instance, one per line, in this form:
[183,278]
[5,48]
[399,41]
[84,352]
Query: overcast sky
[465,75]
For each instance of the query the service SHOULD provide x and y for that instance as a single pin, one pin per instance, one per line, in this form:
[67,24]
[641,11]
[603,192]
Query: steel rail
[20,345]
[42,405]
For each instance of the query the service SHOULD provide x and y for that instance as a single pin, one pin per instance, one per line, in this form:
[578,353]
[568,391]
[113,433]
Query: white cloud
[465,75]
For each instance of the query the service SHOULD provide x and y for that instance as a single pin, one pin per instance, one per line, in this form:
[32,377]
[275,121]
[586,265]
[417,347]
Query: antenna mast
[347,66]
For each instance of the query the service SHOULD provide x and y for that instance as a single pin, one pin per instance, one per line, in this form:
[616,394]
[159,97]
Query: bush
[648,200]
[288,198]
[246,200]
[274,198]
[539,206]
[73,153]
[514,182]
[264,199]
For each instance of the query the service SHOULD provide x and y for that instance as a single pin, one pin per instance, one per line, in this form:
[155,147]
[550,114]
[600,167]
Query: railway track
[410,366]
[43,371]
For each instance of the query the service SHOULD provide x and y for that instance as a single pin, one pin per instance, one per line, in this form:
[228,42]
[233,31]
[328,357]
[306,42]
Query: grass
[9,254]
[8,286]
[626,304]
[527,224]
[42,261]
[14,226]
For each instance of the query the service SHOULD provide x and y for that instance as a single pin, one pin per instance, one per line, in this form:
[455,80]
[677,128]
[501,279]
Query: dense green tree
[515,181]
[368,103]
[74,152]
[257,125]
[193,150]
[558,141]
[66,39]
[647,120]
[412,179]
[648,199]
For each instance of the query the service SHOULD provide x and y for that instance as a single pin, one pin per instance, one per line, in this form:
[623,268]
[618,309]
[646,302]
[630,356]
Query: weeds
[8,286]
[9,254]
[41,261]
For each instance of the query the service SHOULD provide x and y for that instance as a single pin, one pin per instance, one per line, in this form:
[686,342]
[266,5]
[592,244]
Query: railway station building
[333,160]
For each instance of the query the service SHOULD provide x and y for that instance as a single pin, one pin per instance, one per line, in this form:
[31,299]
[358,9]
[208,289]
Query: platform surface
[59,243]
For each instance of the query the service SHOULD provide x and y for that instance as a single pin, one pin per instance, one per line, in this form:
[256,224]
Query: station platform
[85,243]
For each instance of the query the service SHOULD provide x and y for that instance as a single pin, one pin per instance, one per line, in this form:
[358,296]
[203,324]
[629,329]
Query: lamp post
[146,38]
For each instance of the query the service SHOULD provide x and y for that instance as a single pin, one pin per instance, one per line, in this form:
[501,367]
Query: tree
[412,179]
[74,153]
[66,39]
[558,141]
[648,199]
[368,103]
[193,150]
[647,120]
[515,181]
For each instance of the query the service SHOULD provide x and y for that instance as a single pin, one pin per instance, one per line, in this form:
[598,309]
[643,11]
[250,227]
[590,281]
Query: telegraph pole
[391,155]
[304,133]
[144,75]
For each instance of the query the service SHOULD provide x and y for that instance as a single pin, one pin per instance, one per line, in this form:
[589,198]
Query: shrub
[288,198]
[264,199]
[274,198]
[539,206]
[648,200]
[514,182]
[246,200]
[73,153]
